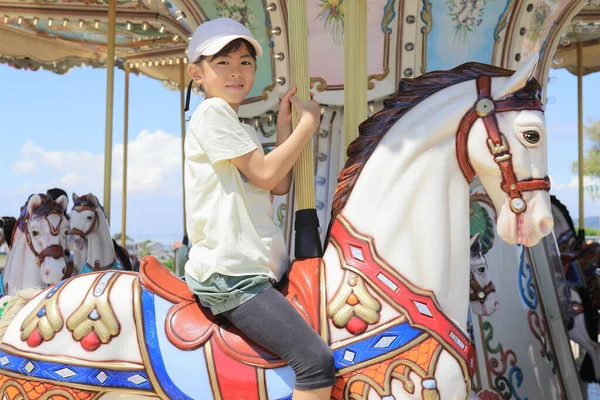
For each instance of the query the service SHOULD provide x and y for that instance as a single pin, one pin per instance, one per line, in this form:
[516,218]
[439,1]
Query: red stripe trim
[236,380]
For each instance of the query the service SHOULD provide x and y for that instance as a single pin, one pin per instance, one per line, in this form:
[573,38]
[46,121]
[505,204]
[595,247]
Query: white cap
[211,36]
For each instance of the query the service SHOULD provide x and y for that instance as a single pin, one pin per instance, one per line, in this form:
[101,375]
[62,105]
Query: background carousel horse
[37,256]
[7,226]
[89,228]
[393,311]
[580,261]
[483,297]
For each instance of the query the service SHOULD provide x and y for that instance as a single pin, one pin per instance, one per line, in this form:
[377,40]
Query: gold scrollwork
[49,322]
[95,312]
[427,19]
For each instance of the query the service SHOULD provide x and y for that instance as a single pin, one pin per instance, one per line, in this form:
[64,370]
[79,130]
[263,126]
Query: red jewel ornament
[35,339]
[91,341]
[356,326]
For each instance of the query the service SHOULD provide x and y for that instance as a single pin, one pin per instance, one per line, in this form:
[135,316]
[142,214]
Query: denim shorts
[223,293]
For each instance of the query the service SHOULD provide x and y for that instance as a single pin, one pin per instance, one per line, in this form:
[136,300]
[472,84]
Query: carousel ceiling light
[149,63]
[128,25]
[50,20]
[276,31]
[20,20]
[178,60]
[145,26]
[279,56]
[178,18]
[35,21]
[65,21]
[96,24]
[143,63]
[137,64]
[130,65]
[176,37]
[564,41]
[185,60]
[281,80]
[6,19]
[170,61]
[271,7]
[162,29]
[163,62]
[81,23]
[557,60]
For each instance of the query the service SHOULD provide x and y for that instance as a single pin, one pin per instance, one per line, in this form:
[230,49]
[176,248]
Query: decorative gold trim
[56,392]
[434,360]
[121,366]
[106,326]
[408,385]
[321,84]
[394,322]
[391,302]
[323,303]
[80,386]
[262,384]
[16,385]
[427,19]
[212,372]
[139,328]
[416,341]
[49,324]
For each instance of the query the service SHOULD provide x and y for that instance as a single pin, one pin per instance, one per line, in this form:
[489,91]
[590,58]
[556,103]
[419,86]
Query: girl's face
[229,77]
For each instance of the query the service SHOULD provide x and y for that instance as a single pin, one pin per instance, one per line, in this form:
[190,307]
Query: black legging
[271,321]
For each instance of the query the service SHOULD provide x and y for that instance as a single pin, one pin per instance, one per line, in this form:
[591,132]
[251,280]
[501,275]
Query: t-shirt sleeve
[220,133]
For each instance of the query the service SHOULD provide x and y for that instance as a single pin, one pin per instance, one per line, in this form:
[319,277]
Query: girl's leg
[271,321]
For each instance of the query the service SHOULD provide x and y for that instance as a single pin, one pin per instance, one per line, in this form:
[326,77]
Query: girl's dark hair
[231,47]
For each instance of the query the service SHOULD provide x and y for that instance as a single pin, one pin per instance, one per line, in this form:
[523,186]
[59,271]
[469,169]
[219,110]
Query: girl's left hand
[284,114]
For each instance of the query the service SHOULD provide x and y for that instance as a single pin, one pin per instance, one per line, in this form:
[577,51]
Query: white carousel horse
[393,310]
[483,296]
[579,334]
[7,226]
[88,229]
[37,251]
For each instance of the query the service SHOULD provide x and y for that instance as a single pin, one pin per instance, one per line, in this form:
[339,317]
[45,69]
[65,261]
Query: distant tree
[591,162]
[145,248]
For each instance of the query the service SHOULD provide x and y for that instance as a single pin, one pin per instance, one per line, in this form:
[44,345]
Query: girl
[238,252]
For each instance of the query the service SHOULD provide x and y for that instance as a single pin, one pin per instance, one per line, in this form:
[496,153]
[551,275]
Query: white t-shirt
[229,219]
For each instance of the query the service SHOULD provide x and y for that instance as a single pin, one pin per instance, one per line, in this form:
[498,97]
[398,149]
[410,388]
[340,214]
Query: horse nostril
[47,272]
[64,270]
[496,305]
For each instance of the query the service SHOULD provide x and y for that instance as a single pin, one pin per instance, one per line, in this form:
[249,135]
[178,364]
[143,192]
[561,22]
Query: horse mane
[410,93]
[8,226]
[86,201]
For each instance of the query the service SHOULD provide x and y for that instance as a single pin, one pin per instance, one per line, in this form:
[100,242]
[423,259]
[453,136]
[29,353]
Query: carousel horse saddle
[189,325]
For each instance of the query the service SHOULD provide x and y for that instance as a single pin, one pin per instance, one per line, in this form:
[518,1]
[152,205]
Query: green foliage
[117,237]
[591,163]
[169,264]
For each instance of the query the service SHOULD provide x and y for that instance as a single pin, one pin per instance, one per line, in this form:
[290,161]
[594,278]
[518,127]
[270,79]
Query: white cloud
[154,166]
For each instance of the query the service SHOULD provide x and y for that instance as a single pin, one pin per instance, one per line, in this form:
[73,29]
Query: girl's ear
[195,72]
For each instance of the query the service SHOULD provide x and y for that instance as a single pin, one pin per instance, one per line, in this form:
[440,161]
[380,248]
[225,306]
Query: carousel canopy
[584,30]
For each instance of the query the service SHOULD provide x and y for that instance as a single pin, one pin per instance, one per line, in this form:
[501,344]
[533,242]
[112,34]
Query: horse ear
[93,199]
[519,79]
[34,202]
[474,239]
[75,197]
[62,201]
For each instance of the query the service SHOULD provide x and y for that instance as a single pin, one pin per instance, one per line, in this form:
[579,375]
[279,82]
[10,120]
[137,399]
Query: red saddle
[189,325]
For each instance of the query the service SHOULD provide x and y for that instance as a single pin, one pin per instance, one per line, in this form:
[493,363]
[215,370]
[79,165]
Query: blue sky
[52,135]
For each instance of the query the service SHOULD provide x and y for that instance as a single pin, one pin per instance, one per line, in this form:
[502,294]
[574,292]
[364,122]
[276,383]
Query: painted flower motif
[488,395]
[332,14]
[542,11]
[237,10]
[466,16]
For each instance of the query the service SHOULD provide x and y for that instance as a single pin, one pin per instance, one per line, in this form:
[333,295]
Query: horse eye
[480,270]
[532,136]
[65,232]
[89,218]
[35,234]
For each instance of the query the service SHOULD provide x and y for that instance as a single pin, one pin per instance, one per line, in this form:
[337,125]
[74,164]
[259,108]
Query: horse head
[482,296]
[506,144]
[45,227]
[84,220]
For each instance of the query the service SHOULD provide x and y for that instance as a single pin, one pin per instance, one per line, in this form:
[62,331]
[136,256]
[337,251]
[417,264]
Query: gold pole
[580,136]
[182,103]
[355,68]
[304,169]
[110,80]
[125,145]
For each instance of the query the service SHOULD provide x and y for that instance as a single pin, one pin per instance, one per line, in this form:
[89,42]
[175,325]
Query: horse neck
[21,269]
[99,244]
[412,198]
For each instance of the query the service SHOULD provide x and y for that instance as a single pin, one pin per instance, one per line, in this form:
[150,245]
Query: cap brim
[222,41]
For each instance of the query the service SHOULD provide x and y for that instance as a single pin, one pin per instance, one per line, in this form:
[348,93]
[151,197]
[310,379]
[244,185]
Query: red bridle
[486,109]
